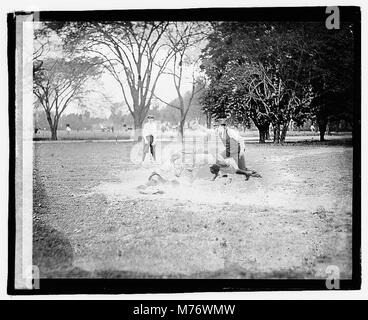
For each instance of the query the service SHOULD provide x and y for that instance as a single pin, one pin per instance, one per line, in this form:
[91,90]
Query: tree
[134,53]
[59,82]
[184,38]
[332,75]
[264,69]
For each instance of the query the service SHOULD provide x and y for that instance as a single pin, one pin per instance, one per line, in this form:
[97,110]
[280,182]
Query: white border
[27,112]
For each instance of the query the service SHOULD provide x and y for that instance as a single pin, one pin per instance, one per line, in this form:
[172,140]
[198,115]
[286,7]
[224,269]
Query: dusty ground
[91,221]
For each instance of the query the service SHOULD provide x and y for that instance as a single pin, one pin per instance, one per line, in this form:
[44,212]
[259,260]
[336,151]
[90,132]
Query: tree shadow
[51,248]
[334,142]
[307,142]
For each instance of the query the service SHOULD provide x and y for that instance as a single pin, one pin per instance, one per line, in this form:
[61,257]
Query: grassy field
[126,135]
[83,135]
[91,221]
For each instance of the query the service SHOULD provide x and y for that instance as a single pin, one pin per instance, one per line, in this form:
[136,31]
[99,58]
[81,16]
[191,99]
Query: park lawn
[44,135]
[91,221]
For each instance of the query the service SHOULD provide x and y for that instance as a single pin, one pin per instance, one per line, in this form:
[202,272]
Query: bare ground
[91,221]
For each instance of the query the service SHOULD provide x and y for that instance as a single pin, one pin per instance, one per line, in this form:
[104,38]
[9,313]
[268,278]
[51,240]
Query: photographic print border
[115,286]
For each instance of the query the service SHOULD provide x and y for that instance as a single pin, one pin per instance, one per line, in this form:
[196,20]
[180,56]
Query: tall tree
[58,82]
[184,39]
[265,68]
[304,71]
[134,53]
[332,75]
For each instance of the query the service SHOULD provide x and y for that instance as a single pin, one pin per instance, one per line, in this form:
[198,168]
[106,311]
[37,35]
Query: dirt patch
[293,222]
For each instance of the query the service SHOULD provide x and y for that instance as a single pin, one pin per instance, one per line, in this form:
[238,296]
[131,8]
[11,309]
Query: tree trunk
[268,134]
[208,120]
[328,129]
[262,136]
[53,126]
[263,132]
[182,138]
[54,132]
[283,132]
[276,133]
[137,128]
[322,125]
[181,130]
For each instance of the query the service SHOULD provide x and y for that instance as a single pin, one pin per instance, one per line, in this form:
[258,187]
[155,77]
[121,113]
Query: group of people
[229,161]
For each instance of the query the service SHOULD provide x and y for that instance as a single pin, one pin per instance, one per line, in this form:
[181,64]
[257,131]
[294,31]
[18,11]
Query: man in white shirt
[234,144]
[149,134]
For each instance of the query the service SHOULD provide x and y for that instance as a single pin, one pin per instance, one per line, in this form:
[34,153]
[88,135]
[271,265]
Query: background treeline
[271,75]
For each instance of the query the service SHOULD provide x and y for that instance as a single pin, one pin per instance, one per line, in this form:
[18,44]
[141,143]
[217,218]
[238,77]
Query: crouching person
[229,166]
[167,175]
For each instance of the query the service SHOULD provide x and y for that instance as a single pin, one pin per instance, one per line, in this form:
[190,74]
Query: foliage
[135,54]
[271,72]
[58,82]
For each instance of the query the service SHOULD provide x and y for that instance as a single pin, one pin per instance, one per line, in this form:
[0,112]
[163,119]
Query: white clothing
[149,129]
[231,132]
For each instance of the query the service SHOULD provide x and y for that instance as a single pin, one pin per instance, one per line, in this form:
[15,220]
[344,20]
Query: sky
[99,105]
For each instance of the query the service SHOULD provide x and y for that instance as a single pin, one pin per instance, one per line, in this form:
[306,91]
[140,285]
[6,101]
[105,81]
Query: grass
[120,135]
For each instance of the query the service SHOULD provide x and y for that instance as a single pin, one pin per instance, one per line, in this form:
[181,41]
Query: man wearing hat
[233,143]
[149,134]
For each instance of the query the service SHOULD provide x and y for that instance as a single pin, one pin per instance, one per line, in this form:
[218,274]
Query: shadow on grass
[308,142]
[227,273]
[51,248]
[82,138]
[334,142]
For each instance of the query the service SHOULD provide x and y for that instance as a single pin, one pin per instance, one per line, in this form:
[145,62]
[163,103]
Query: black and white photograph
[216,145]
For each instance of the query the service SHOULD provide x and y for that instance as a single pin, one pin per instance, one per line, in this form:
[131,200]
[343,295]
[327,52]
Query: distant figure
[149,133]
[125,130]
[312,128]
[68,129]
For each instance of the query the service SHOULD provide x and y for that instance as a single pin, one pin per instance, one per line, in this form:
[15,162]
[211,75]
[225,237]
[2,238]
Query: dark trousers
[148,147]
[237,155]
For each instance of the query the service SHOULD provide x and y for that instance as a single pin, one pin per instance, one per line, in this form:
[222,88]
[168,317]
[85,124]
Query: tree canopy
[272,73]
